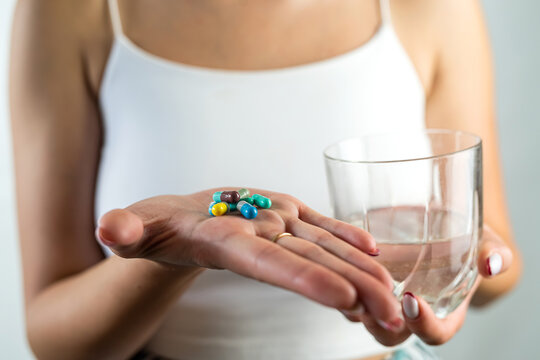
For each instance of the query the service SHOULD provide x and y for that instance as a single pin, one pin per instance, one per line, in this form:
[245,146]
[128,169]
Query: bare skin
[59,52]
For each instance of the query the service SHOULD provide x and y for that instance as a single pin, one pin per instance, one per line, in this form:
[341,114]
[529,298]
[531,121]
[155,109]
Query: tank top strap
[386,15]
[116,21]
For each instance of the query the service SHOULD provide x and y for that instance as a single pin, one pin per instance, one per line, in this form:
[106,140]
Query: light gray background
[506,330]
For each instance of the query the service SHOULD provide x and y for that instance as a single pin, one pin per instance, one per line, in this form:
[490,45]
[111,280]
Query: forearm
[108,311]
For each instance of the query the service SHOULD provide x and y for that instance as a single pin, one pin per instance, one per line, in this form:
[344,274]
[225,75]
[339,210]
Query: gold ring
[281,235]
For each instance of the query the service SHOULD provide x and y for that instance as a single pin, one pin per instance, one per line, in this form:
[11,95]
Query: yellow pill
[221,208]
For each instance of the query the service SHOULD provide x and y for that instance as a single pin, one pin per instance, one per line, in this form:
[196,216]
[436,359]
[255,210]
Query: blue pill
[249,211]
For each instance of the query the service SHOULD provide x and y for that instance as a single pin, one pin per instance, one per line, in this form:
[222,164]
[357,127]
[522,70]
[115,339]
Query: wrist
[159,272]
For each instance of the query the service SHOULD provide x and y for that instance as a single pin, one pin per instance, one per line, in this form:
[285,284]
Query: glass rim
[477,144]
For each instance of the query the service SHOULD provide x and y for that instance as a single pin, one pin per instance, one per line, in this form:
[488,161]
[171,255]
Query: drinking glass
[419,194]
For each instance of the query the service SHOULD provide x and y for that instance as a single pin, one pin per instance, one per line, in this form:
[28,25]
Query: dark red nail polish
[408,293]
[410,306]
[488,267]
[374,252]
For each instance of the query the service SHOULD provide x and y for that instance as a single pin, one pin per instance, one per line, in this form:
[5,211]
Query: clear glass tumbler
[420,195]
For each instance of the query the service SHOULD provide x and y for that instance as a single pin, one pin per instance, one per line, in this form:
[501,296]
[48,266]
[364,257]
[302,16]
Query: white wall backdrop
[12,339]
[506,330]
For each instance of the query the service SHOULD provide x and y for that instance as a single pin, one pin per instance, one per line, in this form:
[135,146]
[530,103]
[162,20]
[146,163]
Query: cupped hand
[325,259]
[494,258]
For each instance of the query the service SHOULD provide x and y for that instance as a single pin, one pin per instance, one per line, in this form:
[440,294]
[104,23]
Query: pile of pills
[227,201]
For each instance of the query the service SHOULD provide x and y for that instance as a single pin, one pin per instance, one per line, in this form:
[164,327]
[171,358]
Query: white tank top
[172,128]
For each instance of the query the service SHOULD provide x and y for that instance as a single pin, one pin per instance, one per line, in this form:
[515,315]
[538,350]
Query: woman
[114,102]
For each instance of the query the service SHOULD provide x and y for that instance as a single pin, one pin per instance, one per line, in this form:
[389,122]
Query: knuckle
[436,340]
[272,217]
[358,258]
[289,204]
[304,276]
[363,235]
[352,273]
[283,198]
[311,277]
[313,251]
[353,318]
[350,255]
[289,198]
[267,252]
[387,340]
[380,272]
[322,238]
[357,235]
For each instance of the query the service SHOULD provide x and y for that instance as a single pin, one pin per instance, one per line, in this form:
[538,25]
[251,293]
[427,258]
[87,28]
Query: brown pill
[230,196]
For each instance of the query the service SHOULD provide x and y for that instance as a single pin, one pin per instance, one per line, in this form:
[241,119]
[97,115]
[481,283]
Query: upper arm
[56,139]
[462,97]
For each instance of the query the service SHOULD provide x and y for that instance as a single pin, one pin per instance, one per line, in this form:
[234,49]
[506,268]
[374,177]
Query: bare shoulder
[53,18]
[430,30]
[68,34]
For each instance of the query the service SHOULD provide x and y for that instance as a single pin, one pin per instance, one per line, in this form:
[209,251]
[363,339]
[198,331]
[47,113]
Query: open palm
[325,260]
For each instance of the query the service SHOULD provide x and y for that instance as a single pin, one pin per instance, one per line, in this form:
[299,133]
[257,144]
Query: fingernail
[494,264]
[395,325]
[359,309]
[374,252]
[410,305]
[102,238]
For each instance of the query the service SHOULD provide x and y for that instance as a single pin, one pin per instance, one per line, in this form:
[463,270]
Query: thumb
[120,229]
[495,256]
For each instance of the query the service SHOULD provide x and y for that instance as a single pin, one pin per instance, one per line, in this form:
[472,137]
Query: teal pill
[244,193]
[217,196]
[249,211]
[261,201]
[249,200]
[232,206]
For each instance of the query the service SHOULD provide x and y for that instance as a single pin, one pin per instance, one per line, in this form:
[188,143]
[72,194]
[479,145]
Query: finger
[421,320]
[266,261]
[377,299]
[386,334]
[139,230]
[350,233]
[119,228]
[494,257]
[341,249]
[354,314]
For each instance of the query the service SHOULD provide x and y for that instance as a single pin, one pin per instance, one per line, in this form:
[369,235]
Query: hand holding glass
[420,195]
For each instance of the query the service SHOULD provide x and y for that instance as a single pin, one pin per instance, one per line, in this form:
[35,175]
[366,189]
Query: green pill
[244,193]
[261,201]
[248,200]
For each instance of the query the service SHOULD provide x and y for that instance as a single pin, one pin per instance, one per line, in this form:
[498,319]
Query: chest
[249,35]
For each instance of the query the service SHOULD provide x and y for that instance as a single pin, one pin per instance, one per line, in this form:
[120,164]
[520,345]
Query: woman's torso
[176,128]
